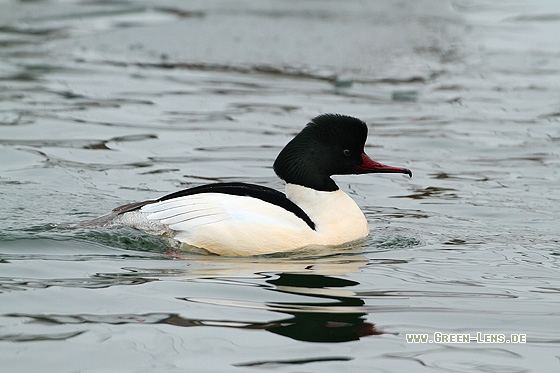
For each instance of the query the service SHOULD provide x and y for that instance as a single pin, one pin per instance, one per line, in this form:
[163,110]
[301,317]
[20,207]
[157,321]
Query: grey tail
[109,220]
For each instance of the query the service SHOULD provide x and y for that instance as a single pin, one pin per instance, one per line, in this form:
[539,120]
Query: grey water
[104,103]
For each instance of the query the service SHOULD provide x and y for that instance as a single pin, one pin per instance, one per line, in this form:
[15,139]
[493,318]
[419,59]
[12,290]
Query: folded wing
[229,224]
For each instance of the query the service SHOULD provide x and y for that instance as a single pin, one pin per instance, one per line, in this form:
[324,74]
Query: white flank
[227,224]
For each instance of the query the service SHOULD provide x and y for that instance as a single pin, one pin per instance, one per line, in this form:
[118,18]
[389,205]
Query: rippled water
[103,103]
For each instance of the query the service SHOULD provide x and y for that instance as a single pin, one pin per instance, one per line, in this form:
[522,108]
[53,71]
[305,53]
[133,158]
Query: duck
[242,219]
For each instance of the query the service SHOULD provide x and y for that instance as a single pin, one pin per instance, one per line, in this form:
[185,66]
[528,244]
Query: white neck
[336,216]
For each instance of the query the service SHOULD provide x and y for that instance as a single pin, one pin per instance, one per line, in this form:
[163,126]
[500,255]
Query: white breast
[337,218]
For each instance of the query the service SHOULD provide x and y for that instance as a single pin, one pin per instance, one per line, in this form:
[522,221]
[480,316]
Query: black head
[331,144]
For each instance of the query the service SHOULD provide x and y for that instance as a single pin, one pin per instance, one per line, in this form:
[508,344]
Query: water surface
[103,103]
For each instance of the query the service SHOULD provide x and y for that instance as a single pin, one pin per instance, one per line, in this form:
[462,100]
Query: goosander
[246,219]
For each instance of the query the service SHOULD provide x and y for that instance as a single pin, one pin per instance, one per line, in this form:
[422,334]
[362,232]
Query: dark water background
[103,103]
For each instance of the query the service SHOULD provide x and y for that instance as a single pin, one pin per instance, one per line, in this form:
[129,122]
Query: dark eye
[347,152]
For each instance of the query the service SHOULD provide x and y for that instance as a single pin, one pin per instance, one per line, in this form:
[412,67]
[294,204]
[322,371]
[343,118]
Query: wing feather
[172,203]
[186,213]
[177,214]
[198,221]
[192,215]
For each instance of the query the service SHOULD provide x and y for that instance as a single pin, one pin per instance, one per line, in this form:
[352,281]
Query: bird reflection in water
[340,320]
[334,314]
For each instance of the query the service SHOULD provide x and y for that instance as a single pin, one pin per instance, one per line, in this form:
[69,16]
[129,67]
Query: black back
[238,189]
